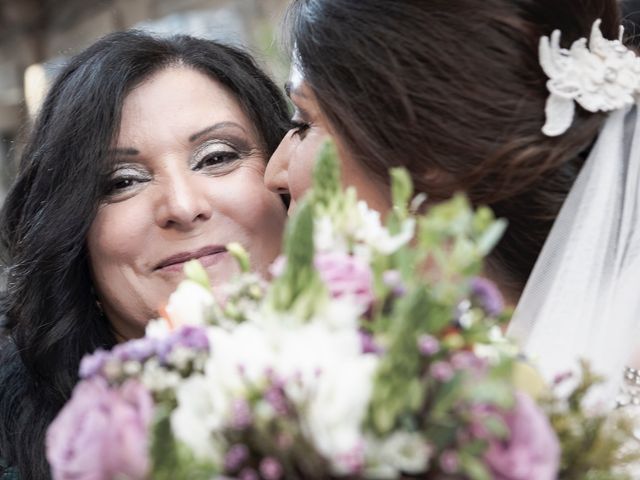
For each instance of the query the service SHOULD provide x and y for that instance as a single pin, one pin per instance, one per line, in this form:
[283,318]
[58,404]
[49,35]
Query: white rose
[404,451]
[190,304]
[200,414]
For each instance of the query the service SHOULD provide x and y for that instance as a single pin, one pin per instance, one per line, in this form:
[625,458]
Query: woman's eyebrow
[213,128]
[125,151]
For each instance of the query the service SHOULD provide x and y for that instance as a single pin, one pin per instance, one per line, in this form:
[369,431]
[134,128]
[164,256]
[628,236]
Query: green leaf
[327,185]
[299,288]
[241,255]
[491,236]
[474,467]
[164,455]
[194,271]
[401,188]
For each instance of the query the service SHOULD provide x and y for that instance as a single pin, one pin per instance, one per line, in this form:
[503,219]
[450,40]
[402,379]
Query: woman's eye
[215,159]
[300,128]
[122,182]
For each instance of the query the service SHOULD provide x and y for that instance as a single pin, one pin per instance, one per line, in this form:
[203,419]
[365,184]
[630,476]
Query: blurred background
[37,37]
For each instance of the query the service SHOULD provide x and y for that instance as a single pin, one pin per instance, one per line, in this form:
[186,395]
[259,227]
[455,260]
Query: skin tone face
[291,166]
[188,179]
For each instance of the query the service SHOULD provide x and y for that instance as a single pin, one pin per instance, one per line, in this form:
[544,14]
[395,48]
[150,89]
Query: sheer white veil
[583,297]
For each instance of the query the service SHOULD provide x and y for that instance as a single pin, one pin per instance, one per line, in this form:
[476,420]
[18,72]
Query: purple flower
[102,433]
[487,295]
[191,337]
[92,365]
[449,462]
[276,398]
[469,362]
[369,344]
[270,469]
[241,414]
[346,275]
[532,451]
[442,371]
[248,474]
[235,457]
[428,345]
[137,350]
[393,280]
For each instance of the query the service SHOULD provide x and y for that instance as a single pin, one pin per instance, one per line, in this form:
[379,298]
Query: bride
[492,105]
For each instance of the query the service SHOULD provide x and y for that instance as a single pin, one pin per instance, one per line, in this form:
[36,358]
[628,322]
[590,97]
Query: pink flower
[102,433]
[346,275]
[532,451]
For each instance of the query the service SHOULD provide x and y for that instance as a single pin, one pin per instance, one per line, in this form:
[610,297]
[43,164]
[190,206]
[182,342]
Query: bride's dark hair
[453,90]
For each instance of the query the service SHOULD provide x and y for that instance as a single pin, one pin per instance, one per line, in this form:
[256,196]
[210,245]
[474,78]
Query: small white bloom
[157,329]
[325,236]
[406,452]
[190,304]
[199,416]
[372,232]
[180,357]
[157,378]
[339,406]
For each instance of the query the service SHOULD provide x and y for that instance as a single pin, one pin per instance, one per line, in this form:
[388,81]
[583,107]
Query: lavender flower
[102,433]
[92,365]
[236,456]
[393,280]
[487,295]
[369,344]
[248,474]
[346,275]
[191,337]
[532,451]
[468,361]
[138,350]
[241,415]
[428,345]
[442,371]
[270,469]
[449,462]
[276,398]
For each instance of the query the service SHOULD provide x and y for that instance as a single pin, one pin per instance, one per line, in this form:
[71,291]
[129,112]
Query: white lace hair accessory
[582,299]
[601,77]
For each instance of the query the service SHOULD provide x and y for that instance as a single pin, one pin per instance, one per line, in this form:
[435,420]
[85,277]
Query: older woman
[147,153]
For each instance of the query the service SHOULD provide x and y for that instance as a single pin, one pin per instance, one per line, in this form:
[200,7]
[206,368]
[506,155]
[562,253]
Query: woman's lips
[207,256]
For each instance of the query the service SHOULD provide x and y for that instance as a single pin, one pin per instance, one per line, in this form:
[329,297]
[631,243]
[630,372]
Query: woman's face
[188,179]
[291,166]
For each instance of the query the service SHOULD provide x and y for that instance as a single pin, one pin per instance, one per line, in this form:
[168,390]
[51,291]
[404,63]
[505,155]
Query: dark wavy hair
[50,317]
[453,91]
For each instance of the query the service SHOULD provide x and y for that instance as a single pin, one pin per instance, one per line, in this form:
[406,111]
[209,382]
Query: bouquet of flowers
[375,351]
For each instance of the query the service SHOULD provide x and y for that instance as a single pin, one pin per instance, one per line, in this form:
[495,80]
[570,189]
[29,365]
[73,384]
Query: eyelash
[115,185]
[299,128]
[220,157]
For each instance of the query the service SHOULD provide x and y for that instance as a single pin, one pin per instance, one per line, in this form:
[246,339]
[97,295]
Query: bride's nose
[276,175]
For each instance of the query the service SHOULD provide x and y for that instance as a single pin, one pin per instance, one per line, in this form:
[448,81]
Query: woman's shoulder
[13,381]
[6,472]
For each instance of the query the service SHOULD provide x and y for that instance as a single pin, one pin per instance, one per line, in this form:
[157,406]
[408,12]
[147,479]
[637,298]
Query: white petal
[546,51]
[559,113]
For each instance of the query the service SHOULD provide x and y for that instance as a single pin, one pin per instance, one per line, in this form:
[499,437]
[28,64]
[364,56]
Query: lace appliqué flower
[601,76]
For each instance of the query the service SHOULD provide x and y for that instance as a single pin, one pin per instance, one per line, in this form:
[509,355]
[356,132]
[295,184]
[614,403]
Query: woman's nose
[183,202]
[276,174]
